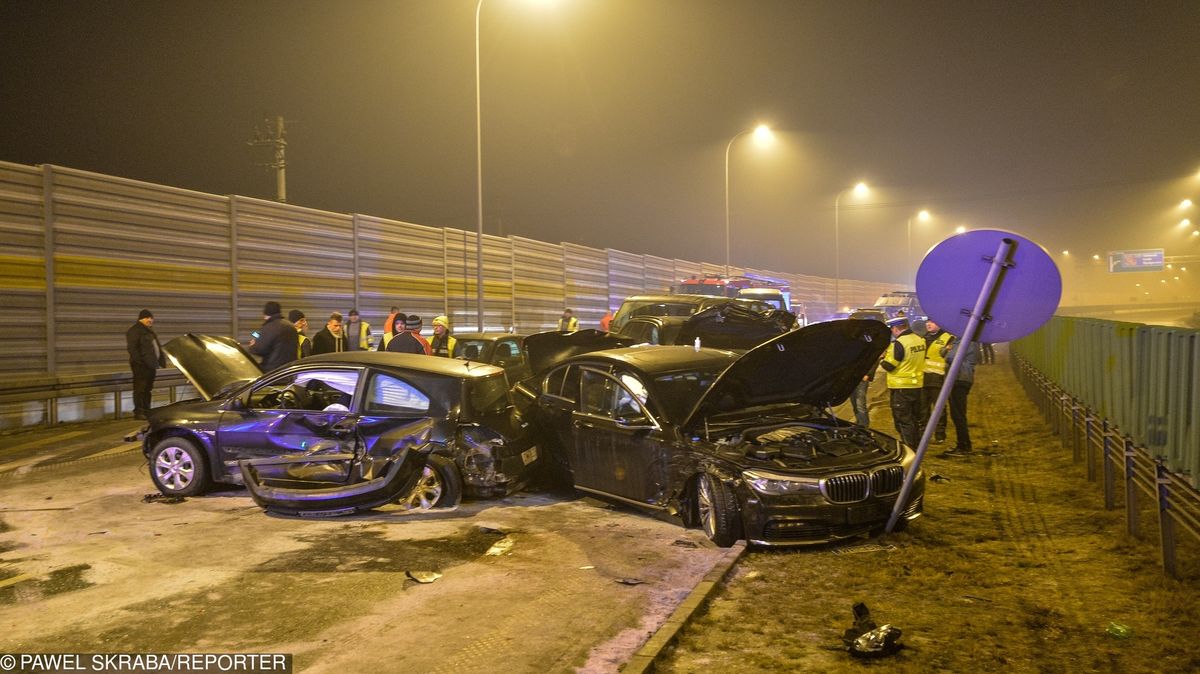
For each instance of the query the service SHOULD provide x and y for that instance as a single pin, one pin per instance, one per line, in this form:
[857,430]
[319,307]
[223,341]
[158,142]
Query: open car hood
[734,326]
[547,349]
[211,363]
[819,365]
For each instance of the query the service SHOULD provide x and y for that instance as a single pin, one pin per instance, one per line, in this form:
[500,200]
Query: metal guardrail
[49,390]
[1108,451]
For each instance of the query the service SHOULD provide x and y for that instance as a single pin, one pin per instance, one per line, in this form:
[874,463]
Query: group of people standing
[916,369]
[401,334]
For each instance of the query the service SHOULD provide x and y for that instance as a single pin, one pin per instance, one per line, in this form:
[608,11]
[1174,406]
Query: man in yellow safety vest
[904,362]
[937,341]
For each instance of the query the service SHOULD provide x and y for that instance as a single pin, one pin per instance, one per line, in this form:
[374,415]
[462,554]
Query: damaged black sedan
[337,432]
[744,445]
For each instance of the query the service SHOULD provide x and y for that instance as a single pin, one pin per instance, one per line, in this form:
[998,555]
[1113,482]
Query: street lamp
[923,216]
[860,190]
[478,178]
[762,134]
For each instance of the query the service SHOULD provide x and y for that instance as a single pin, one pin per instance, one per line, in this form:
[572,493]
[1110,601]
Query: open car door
[325,482]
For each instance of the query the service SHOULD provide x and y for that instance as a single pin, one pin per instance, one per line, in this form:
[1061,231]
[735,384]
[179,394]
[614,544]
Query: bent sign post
[1018,290]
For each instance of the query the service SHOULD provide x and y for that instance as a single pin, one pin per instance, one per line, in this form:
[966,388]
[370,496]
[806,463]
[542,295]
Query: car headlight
[771,483]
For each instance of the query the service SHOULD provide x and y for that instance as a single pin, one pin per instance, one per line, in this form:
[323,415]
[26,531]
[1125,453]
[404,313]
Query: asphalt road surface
[533,582]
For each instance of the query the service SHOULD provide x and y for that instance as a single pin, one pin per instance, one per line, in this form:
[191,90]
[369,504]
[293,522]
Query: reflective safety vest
[443,346]
[300,344]
[935,362]
[568,324]
[910,372]
[364,335]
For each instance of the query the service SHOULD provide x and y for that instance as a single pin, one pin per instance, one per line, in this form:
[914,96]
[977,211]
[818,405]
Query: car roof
[657,359]
[447,367]
[487,336]
[682,298]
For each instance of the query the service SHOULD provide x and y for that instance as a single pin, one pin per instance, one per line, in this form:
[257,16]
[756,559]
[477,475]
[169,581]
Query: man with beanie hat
[145,357]
[443,342]
[277,342]
[297,319]
[358,332]
[409,340]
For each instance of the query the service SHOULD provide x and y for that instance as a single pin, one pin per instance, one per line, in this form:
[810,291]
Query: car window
[313,390]
[507,352]
[488,395]
[570,389]
[623,399]
[391,395]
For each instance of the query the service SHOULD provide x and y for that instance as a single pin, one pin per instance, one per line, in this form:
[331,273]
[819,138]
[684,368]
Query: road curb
[644,660]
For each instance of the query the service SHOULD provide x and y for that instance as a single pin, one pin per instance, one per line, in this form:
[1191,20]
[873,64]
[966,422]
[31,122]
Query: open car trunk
[326,483]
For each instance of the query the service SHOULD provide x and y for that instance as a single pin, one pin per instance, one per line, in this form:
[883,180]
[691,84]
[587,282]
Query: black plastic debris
[630,581]
[685,543]
[938,478]
[158,497]
[489,530]
[868,640]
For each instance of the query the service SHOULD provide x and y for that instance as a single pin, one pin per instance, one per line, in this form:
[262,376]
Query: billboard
[1150,259]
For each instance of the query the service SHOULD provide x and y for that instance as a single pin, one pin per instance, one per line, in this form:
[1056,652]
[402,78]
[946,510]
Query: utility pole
[276,138]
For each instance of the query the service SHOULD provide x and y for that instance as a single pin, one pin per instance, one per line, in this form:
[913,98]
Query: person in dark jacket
[331,339]
[404,341]
[958,394]
[145,357]
[277,342]
[297,318]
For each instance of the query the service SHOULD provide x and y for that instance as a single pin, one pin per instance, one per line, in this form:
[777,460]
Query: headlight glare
[771,483]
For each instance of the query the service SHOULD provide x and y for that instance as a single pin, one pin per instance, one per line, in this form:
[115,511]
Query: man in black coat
[332,339]
[145,357]
[277,342]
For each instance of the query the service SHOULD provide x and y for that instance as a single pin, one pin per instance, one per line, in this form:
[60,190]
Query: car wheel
[439,486]
[716,509]
[178,467]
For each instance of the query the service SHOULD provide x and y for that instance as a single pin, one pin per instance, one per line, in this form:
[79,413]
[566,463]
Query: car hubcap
[427,492]
[174,468]
[708,514]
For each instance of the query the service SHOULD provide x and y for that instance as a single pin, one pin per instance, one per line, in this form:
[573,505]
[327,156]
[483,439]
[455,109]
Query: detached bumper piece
[331,485]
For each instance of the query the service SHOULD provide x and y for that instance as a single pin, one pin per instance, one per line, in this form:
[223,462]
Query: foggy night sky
[605,121]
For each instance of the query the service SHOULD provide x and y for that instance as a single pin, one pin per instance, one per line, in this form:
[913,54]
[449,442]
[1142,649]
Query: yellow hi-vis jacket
[935,362]
[905,361]
[364,335]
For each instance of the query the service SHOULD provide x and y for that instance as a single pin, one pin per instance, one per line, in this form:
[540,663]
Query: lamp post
[763,134]
[478,181]
[923,216]
[860,190]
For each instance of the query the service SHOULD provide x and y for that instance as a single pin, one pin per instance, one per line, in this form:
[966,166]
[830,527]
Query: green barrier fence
[1143,380]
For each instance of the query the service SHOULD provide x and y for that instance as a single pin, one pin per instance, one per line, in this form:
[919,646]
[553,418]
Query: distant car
[502,349]
[744,445]
[367,407]
[733,325]
[675,305]
[870,314]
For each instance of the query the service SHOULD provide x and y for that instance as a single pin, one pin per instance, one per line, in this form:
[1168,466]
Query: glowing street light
[762,136]
[860,190]
[1185,204]
[923,216]
[1066,252]
[1185,223]
[1096,256]
[479,173]
[960,229]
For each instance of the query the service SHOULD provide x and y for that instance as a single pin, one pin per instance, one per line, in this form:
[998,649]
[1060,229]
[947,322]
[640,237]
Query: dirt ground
[1015,566]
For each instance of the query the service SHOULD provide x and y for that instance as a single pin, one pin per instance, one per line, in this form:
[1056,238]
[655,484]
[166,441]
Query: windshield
[678,392]
[488,395]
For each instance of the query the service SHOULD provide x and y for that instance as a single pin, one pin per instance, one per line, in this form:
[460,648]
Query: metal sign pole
[1001,261]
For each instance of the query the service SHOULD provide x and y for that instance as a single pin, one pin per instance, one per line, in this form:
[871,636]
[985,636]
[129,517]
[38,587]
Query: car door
[618,442]
[299,411]
[393,399]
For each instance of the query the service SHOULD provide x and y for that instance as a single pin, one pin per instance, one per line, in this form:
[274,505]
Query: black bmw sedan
[337,405]
[744,445]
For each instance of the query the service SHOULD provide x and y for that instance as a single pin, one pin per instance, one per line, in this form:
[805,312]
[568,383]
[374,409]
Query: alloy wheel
[427,491]
[174,468]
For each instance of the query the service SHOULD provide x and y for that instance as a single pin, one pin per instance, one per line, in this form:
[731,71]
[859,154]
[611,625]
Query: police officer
[936,342]
[904,362]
